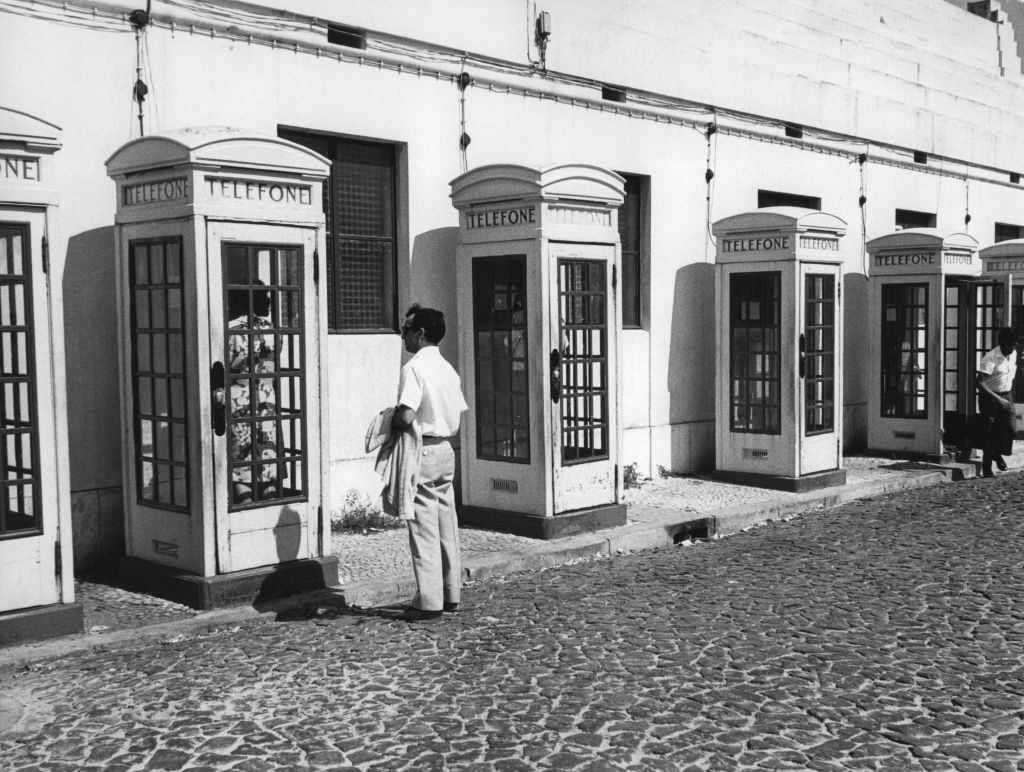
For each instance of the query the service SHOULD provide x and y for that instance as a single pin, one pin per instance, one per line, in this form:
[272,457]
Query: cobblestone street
[884,634]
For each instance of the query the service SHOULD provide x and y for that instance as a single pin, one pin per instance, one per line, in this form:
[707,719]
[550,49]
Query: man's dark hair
[1007,335]
[430,320]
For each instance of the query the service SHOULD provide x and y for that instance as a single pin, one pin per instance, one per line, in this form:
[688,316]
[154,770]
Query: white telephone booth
[931,313]
[539,330]
[1003,264]
[36,581]
[779,331]
[220,236]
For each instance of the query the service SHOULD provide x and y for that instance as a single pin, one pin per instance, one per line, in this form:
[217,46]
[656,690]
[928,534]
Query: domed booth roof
[791,218]
[216,146]
[923,237]
[504,182]
[1002,249]
[16,126]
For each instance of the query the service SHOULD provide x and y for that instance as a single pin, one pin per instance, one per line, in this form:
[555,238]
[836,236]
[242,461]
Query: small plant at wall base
[631,476]
[360,515]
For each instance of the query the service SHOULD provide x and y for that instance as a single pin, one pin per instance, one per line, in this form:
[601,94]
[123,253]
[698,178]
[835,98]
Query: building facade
[886,115]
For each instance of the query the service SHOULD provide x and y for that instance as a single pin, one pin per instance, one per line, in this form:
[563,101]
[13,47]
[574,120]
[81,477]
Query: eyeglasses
[406,329]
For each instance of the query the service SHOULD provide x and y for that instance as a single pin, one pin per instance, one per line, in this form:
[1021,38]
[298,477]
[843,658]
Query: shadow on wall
[90,359]
[432,282]
[282,580]
[856,342]
[691,368]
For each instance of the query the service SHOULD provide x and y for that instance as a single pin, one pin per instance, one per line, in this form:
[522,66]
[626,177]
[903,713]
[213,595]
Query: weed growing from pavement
[631,476]
[360,515]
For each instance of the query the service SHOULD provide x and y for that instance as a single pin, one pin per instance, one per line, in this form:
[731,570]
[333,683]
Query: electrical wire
[709,181]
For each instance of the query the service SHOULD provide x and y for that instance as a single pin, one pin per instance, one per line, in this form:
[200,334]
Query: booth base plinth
[253,586]
[905,455]
[807,482]
[43,622]
[539,527]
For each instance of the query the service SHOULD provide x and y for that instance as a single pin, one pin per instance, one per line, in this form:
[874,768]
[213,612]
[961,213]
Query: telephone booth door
[222,340]
[536,263]
[975,311]
[584,361]
[819,392]
[263,367]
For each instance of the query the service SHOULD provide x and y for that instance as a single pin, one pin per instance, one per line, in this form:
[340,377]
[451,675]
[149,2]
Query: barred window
[360,205]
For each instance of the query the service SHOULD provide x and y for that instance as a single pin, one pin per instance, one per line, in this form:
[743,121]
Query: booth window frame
[1017,315]
[819,356]
[973,307]
[175,423]
[758,370]
[893,335]
[390,197]
[583,309]
[487,363]
[277,374]
[8,280]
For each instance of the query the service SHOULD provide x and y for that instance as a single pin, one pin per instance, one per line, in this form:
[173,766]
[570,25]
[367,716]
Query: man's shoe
[413,614]
[449,607]
[988,473]
[1000,464]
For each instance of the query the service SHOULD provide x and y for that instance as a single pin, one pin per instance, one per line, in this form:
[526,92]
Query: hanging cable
[464,140]
[967,204]
[862,202]
[711,134]
[139,20]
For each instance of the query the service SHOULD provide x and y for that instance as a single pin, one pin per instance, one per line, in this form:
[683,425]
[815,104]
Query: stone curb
[666,530]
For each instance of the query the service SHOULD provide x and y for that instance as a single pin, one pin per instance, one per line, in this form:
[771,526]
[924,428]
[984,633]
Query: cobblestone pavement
[884,634]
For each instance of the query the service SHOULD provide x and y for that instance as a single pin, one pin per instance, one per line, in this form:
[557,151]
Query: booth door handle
[556,375]
[217,398]
[803,348]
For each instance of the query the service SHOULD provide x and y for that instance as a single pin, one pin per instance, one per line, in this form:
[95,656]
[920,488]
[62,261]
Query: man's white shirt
[431,387]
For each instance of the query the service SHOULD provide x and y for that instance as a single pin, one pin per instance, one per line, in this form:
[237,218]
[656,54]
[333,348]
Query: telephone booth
[539,330]
[779,334]
[1003,263]
[931,317]
[222,334]
[36,581]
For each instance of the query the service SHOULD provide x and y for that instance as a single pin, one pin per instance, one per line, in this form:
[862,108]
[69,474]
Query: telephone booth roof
[216,146]
[509,182]
[25,129]
[938,238]
[1011,248]
[787,218]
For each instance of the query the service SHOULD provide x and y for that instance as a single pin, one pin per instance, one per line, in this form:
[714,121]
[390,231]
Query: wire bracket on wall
[463,82]
[967,204]
[711,136]
[862,202]
[139,20]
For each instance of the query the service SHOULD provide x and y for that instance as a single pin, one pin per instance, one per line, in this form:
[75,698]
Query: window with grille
[632,230]
[265,368]
[502,384]
[754,356]
[904,350]
[360,205]
[583,341]
[158,378]
[20,513]
[819,353]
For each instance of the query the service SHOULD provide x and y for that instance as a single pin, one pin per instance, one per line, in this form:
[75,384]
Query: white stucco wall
[822,64]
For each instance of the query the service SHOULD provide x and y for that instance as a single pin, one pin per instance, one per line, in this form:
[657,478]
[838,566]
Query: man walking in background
[430,402]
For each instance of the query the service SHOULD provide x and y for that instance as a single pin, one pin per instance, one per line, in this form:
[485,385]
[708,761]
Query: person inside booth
[251,349]
[994,381]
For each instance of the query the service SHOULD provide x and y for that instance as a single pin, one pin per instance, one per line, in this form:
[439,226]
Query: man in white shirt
[994,380]
[430,400]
